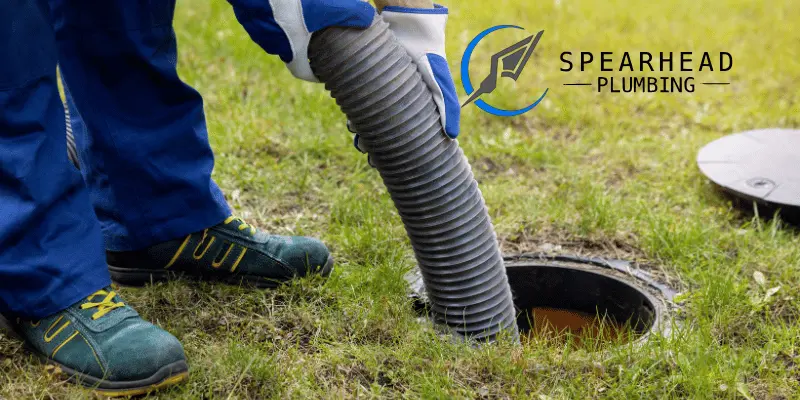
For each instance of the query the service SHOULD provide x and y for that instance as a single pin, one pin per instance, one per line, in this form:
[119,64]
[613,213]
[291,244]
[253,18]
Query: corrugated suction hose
[377,86]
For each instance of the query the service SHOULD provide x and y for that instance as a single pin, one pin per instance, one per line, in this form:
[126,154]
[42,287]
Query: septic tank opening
[587,301]
[573,302]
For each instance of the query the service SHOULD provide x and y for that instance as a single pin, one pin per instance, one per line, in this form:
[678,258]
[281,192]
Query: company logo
[648,71]
[508,63]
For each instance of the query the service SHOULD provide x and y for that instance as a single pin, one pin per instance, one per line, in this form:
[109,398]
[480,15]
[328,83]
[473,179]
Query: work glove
[421,31]
[284,27]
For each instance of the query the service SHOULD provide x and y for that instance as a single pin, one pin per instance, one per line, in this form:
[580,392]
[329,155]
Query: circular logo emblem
[509,62]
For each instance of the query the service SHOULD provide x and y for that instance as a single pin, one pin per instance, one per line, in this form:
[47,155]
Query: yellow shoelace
[242,225]
[103,307]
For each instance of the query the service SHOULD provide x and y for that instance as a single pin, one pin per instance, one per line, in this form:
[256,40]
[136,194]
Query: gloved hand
[422,32]
[284,27]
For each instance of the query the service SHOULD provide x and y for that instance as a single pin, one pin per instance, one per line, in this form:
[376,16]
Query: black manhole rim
[619,275]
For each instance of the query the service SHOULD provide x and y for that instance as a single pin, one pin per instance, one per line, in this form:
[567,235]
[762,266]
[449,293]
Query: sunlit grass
[584,167]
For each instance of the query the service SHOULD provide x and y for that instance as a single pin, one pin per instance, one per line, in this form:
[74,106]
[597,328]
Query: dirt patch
[494,167]
[554,242]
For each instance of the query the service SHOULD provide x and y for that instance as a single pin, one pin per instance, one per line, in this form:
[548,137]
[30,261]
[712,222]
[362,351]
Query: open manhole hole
[587,301]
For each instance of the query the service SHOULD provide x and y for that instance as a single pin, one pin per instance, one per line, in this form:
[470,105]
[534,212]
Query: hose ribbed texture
[377,86]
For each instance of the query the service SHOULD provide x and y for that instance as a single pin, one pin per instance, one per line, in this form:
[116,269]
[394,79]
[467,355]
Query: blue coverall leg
[51,249]
[141,132]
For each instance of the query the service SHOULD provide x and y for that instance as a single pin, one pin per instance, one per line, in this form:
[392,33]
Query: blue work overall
[141,136]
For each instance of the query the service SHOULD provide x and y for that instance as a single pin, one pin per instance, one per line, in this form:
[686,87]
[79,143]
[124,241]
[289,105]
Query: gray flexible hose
[377,86]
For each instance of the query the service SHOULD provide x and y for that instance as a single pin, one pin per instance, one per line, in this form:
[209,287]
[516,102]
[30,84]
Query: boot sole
[168,375]
[142,277]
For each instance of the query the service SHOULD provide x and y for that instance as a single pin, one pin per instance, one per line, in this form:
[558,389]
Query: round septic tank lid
[760,165]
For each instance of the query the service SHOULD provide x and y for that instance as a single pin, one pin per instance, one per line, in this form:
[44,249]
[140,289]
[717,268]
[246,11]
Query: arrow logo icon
[513,59]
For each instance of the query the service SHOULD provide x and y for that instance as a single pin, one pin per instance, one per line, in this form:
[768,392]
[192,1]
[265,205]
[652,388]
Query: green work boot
[103,344]
[233,252]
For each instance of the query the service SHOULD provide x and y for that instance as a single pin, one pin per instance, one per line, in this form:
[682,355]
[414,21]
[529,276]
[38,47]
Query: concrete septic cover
[760,165]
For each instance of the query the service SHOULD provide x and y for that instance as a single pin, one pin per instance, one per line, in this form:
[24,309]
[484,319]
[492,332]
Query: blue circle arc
[465,59]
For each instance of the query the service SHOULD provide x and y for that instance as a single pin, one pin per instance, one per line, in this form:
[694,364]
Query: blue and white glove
[284,27]
[421,31]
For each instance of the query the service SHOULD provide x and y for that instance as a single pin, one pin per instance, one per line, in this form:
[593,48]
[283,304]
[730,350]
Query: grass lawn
[599,173]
